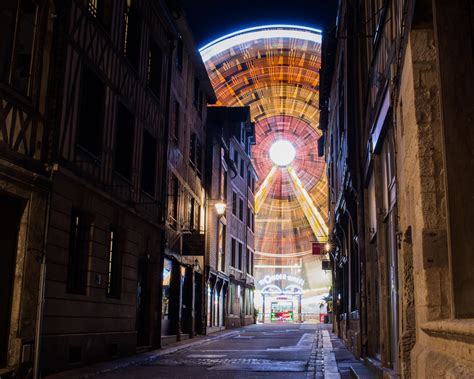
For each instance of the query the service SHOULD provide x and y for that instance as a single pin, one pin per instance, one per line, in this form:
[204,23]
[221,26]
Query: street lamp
[220,208]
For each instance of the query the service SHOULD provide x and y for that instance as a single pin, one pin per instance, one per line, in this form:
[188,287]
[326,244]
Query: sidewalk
[105,367]
[330,359]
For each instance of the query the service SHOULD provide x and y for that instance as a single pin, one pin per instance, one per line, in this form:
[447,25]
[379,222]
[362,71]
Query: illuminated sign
[267,279]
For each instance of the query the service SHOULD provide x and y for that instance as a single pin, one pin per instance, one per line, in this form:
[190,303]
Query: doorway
[11,209]
[143,304]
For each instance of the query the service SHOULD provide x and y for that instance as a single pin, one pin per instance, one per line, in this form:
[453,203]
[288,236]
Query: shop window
[148,163]
[114,267]
[78,253]
[124,142]
[165,302]
[132,35]
[102,11]
[91,114]
[155,68]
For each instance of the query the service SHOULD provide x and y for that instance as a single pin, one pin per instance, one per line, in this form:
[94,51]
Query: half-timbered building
[25,46]
[109,96]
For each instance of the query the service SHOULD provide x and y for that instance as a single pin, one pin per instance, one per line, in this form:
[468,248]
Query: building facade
[231,180]
[25,171]
[108,101]
[183,313]
[398,140]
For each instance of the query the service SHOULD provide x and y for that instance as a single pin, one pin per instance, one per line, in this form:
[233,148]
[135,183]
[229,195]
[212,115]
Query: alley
[278,350]
[257,351]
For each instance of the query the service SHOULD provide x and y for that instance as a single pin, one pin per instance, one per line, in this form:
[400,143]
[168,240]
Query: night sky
[211,19]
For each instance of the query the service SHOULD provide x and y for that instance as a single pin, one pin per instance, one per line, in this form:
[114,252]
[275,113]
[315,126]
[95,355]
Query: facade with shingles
[231,179]
[398,137]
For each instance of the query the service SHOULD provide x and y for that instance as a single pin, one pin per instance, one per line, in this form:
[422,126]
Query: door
[9,225]
[143,304]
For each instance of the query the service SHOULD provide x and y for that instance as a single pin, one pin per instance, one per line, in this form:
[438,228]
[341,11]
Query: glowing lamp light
[220,208]
[327,247]
[282,153]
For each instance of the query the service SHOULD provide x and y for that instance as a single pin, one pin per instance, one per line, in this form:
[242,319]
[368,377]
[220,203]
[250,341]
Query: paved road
[258,351]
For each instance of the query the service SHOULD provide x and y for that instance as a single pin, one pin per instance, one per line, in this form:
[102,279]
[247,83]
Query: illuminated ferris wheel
[275,70]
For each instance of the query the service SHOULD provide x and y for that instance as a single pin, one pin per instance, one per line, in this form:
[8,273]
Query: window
[17,28]
[179,55]
[234,203]
[124,142]
[78,253]
[253,222]
[249,219]
[102,10]
[114,267]
[223,183]
[247,261]
[236,159]
[198,158]
[248,179]
[91,112]
[192,150]
[175,120]
[221,247]
[155,68]
[241,209]
[197,217]
[233,251]
[148,163]
[252,262]
[174,202]
[253,184]
[242,167]
[240,256]
[132,35]
[191,205]
[165,303]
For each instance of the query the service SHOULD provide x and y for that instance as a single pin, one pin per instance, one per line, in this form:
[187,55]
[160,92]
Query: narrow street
[280,350]
[257,351]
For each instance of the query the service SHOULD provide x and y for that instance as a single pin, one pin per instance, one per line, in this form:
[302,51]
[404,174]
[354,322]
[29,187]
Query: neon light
[263,32]
[256,28]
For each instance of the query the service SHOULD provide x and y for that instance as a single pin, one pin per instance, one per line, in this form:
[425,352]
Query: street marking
[206,356]
[243,337]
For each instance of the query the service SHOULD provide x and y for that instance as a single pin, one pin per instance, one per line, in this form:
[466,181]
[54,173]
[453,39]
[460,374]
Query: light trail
[315,219]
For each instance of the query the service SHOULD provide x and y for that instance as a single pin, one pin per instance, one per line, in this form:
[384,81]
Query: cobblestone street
[258,351]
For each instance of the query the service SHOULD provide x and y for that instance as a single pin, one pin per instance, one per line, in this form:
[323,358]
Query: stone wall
[431,345]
